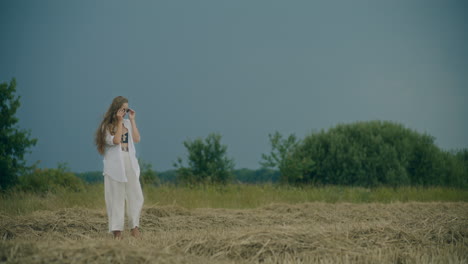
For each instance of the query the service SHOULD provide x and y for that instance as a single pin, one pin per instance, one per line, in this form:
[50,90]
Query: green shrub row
[43,181]
[372,154]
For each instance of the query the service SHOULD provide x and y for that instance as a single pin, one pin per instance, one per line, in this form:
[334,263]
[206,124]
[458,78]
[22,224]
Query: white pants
[117,193]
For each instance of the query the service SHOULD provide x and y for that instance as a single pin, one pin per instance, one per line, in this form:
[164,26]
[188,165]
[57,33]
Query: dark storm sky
[243,69]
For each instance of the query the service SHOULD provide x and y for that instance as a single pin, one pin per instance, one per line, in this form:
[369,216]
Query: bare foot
[117,235]
[135,232]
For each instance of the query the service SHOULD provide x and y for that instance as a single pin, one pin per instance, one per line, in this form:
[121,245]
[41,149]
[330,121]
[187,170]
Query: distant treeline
[249,176]
[368,154]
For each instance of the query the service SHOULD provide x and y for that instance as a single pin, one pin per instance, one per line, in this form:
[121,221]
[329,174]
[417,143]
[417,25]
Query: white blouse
[113,160]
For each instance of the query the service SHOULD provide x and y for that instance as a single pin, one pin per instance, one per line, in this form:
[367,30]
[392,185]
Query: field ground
[311,232]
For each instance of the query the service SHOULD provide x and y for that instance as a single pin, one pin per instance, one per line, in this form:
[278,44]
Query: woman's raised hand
[131,113]
[120,115]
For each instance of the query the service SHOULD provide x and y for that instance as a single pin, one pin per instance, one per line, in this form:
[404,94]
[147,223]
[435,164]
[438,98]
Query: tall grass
[230,196]
[25,202]
[251,196]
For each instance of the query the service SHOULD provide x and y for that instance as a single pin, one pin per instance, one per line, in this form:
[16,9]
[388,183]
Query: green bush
[91,177]
[147,175]
[207,162]
[50,180]
[375,153]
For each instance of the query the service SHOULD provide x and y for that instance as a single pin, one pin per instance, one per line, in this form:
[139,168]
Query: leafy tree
[375,153]
[284,157]
[14,142]
[207,162]
[458,166]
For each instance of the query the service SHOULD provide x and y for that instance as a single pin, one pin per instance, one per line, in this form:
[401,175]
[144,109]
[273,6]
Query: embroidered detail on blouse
[124,141]
[124,138]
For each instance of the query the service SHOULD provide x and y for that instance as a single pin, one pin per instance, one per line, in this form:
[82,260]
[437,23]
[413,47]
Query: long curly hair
[108,123]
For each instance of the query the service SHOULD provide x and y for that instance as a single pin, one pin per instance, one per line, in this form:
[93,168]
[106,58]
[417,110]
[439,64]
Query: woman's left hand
[131,113]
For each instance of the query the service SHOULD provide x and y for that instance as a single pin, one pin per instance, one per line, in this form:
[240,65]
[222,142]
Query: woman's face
[125,108]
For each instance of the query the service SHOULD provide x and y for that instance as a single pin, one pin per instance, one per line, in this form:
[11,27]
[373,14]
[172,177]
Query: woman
[115,140]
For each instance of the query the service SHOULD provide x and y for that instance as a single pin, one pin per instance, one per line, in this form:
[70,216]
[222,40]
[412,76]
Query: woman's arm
[118,133]
[135,132]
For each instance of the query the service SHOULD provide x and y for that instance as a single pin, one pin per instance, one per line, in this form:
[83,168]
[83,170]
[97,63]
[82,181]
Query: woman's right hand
[120,115]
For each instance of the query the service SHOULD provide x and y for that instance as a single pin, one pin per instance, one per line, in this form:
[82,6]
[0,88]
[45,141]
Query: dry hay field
[315,232]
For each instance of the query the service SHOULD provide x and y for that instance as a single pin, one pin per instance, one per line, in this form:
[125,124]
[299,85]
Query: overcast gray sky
[243,69]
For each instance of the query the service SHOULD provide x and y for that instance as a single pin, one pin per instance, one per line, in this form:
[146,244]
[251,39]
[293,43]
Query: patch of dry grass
[276,233]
